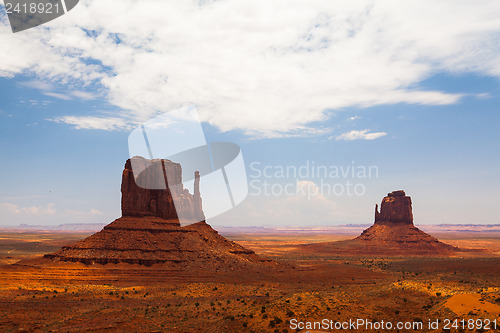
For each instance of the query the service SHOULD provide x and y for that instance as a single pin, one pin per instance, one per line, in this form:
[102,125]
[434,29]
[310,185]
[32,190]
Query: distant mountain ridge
[341,229]
[67,227]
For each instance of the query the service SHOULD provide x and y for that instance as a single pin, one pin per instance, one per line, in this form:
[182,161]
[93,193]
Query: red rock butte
[149,231]
[394,228]
[155,198]
[395,208]
[392,233]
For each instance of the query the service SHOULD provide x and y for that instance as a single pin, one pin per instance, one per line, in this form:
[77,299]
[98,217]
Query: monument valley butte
[145,272]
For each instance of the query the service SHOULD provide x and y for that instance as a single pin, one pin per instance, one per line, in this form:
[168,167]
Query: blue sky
[421,107]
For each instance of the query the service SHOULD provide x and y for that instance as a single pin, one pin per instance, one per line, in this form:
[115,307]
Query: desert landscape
[145,272]
[124,297]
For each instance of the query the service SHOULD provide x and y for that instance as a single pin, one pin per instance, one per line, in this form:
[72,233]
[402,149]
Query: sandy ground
[462,304]
[61,297]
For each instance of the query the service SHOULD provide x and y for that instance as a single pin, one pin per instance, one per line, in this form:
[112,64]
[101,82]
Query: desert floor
[338,287]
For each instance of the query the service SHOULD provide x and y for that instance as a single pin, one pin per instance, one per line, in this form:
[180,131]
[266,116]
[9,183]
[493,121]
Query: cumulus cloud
[45,213]
[267,68]
[40,210]
[307,206]
[307,188]
[9,208]
[12,209]
[360,135]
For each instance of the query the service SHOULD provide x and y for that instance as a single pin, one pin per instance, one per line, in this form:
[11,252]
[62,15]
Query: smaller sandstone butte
[394,228]
[149,231]
[393,233]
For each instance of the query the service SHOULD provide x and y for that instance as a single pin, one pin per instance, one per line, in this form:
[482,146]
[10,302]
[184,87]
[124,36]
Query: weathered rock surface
[153,197]
[395,208]
[149,232]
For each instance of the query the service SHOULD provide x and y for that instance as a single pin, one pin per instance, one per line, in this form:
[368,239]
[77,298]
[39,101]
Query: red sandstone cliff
[153,197]
[395,208]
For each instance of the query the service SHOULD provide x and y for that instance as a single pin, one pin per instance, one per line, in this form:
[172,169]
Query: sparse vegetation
[427,285]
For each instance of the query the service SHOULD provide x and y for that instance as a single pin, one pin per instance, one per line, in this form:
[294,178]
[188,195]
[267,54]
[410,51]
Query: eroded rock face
[395,208]
[147,194]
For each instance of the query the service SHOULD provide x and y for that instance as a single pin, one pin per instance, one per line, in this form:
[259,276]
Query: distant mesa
[149,231]
[392,233]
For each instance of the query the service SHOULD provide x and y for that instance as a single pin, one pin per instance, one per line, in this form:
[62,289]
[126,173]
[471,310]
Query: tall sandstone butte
[161,193]
[149,231]
[395,208]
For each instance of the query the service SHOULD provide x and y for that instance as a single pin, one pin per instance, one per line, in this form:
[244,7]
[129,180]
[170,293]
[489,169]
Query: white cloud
[48,90]
[35,84]
[307,188]
[82,95]
[4,20]
[44,214]
[90,122]
[482,96]
[91,212]
[58,95]
[72,94]
[360,135]
[8,208]
[268,68]
[40,210]
[308,206]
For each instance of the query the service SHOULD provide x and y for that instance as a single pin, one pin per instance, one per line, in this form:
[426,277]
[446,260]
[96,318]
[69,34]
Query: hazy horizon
[79,226]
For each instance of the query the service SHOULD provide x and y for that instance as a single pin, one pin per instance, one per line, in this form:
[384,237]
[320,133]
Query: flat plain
[310,286]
